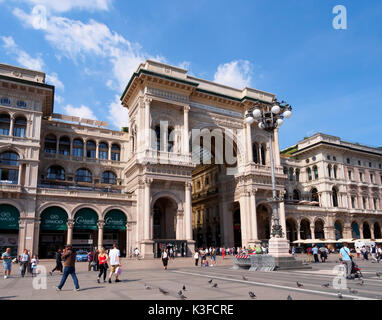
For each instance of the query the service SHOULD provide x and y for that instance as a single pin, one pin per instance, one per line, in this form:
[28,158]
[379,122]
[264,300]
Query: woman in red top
[102,258]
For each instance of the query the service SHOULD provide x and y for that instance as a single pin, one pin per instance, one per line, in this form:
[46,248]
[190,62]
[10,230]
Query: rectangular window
[103,155]
[19,132]
[353,202]
[371,178]
[115,156]
[4,132]
[361,176]
[78,152]
[349,175]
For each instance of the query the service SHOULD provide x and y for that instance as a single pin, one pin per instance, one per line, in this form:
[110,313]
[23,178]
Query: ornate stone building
[70,180]
[333,189]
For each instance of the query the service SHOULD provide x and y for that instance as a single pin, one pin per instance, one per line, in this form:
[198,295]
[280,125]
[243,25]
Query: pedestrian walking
[196,257]
[137,253]
[58,266]
[315,254]
[323,254]
[7,262]
[24,262]
[373,252]
[115,262]
[103,266]
[96,261]
[90,259]
[34,262]
[223,253]
[346,257]
[69,258]
[213,257]
[379,253]
[165,259]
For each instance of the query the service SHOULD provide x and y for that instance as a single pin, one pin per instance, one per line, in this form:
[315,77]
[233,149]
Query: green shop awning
[115,220]
[9,217]
[54,219]
[86,219]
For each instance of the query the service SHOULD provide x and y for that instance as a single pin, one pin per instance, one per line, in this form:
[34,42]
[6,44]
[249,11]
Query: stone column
[186,143]
[70,232]
[84,150]
[249,144]
[128,241]
[147,123]
[244,219]
[109,152]
[372,235]
[228,225]
[312,232]
[298,230]
[147,207]
[101,225]
[282,219]
[179,225]
[254,238]
[187,211]
[97,150]
[11,125]
[28,132]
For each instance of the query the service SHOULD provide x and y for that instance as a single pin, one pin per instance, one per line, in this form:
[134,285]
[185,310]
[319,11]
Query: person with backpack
[58,266]
[346,258]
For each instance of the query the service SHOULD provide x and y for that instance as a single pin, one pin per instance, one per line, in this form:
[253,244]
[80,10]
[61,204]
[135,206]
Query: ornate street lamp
[269,119]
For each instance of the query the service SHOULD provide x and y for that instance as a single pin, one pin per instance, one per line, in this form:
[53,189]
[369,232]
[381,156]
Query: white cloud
[235,74]
[67,5]
[81,112]
[58,99]
[53,79]
[75,40]
[118,115]
[22,57]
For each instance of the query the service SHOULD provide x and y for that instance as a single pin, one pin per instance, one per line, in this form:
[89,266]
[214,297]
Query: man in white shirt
[114,255]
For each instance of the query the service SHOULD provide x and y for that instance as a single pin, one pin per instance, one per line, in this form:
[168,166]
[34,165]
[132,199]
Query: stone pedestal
[279,249]
[147,249]
[190,248]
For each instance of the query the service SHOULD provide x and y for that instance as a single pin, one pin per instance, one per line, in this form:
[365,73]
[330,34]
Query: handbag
[118,271]
[93,263]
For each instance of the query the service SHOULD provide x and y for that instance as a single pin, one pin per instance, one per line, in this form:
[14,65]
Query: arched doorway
[9,228]
[338,230]
[305,232]
[355,231]
[366,231]
[85,233]
[53,231]
[319,229]
[263,223]
[115,230]
[237,228]
[377,231]
[291,226]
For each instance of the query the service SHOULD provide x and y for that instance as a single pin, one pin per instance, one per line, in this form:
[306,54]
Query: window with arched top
[335,197]
[5,124]
[56,173]
[330,170]
[314,195]
[315,172]
[296,195]
[103,151]
[115,152]
[83,175]
[9,167]
[20,127]
[109,177]
[50,144]
[335,172]
[91,149]
[5,101]
[297,175]
[64,146]
[309,172]
[263,155]
[21,104]
[255,152]
[78,148]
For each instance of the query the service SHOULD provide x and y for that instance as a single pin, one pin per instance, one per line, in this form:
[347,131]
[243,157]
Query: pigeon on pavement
[326,285]
[353,291]
[252,295]
[339,295]
[210,281]
[147,287]
[244,278]
[299,284]
[163,291]
[215,285]
[289,297]
[180,293]
[184,288]
[378,274]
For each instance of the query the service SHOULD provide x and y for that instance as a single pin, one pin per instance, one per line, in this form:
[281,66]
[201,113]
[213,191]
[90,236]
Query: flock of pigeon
[253,296]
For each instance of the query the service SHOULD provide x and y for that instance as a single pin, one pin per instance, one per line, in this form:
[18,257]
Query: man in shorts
[7,262]
[114,255]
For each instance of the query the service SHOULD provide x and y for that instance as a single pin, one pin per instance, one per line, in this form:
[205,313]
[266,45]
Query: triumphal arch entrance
[201,174]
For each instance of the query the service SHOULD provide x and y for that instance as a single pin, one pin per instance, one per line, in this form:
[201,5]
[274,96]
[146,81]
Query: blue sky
[89,49]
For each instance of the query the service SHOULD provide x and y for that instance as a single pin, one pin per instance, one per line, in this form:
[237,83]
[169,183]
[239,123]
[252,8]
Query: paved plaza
[230,283]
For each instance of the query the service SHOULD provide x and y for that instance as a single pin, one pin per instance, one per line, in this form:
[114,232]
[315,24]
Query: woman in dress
[165,258]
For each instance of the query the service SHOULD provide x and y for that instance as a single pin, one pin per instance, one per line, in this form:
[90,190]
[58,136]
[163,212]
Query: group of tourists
[374,251]
[207,257]
[27,263]
[65,264]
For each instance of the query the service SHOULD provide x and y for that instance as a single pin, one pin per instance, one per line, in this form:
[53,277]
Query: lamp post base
[279,249]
